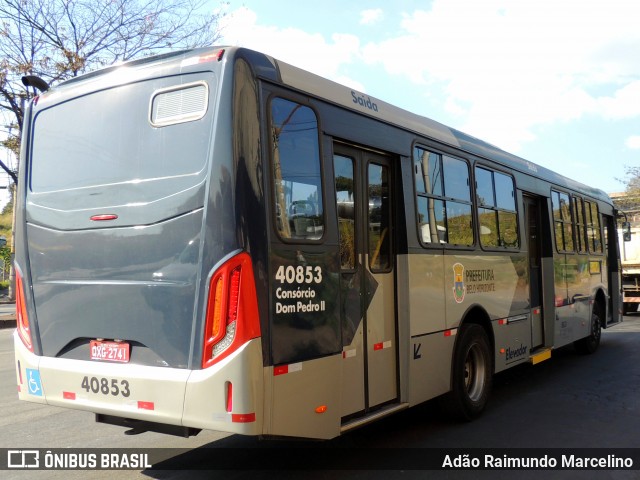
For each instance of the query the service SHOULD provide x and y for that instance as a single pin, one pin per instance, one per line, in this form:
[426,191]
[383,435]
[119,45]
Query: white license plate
[109,351]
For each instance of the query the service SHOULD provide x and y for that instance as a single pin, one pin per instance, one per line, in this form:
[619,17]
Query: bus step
[540,355]
[383,412]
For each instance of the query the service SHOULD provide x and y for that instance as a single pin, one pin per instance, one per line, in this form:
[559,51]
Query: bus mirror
[626,231]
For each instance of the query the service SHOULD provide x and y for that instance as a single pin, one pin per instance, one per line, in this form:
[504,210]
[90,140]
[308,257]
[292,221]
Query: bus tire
[472,372]
[590,344]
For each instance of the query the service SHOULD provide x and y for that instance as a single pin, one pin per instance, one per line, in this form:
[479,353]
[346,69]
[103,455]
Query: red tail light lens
[232,310]
[22,320]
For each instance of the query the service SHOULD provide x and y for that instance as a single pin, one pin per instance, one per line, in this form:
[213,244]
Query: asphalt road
[570,401]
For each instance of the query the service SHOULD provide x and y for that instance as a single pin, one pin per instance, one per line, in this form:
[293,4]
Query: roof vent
[183,103]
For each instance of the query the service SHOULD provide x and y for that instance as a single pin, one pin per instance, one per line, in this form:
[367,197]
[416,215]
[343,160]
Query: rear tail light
[232,310]
[22,320]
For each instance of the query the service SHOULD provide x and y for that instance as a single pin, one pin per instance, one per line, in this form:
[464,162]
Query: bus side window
[578,210]
[443,199]
[594,232]
[563,221]
[497,214]
[296,170]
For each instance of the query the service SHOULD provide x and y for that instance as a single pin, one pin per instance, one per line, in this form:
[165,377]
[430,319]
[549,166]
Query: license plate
[109,351]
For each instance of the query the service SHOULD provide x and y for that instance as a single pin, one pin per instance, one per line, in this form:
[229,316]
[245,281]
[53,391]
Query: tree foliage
[60,39]
[633,180]
[630,201]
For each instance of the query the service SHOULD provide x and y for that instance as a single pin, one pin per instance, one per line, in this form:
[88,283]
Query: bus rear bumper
[221,397]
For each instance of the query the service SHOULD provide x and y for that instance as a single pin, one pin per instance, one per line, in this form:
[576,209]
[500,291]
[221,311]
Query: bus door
[533,235]
[368,314]
[614,270]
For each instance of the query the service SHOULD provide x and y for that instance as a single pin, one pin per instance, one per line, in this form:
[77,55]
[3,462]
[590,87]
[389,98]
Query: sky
[556,82]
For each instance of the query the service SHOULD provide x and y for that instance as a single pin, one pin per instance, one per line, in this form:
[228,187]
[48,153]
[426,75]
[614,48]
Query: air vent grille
[185,103]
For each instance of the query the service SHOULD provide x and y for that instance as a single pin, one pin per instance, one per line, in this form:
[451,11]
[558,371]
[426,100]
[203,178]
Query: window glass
[296,171]
[497,213]
[345,196]
[431,223]
[593,227]
[578,209]
[103,139]
[460,224]
[508,222]
[379,216]
[456,179]
[568,237]
[565,207]
[488,227]
[484,187]
[441,220]
[505,195]
[564,226]
[555,200]
[428,172]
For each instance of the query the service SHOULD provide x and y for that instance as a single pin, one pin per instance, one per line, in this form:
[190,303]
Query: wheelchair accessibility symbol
[33,382]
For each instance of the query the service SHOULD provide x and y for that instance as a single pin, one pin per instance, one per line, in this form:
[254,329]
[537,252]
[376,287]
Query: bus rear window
[106,138]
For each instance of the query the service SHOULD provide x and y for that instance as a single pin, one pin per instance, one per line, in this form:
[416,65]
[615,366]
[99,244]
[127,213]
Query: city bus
[215,239]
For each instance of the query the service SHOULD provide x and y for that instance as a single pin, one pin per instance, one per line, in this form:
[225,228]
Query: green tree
[60,39]
[630,200]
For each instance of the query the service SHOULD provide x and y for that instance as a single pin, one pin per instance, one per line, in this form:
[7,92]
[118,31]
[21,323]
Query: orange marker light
[321,409]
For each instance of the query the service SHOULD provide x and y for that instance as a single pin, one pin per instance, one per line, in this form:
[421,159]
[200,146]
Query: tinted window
[443,199]
[428,172]
[578,209]
[345,198]
[484,187]
[105,138]
[296,171]
[594,232]
[456,179]
[563,221]
[497,212]
[379,218]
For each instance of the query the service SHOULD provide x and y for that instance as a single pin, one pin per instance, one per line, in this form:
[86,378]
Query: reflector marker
[243,417]
[103,217]
[450,333]
[69,395]
[146,405]
[382,345]
[284,369]
[229,402]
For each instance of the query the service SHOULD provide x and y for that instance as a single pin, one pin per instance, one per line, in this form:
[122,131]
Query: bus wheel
[589,345]
[471,376]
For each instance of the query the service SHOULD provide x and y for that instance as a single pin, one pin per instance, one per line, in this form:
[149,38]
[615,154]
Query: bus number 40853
[106,386]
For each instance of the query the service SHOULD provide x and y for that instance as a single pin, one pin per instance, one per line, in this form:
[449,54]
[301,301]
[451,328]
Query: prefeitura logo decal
[459,290]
